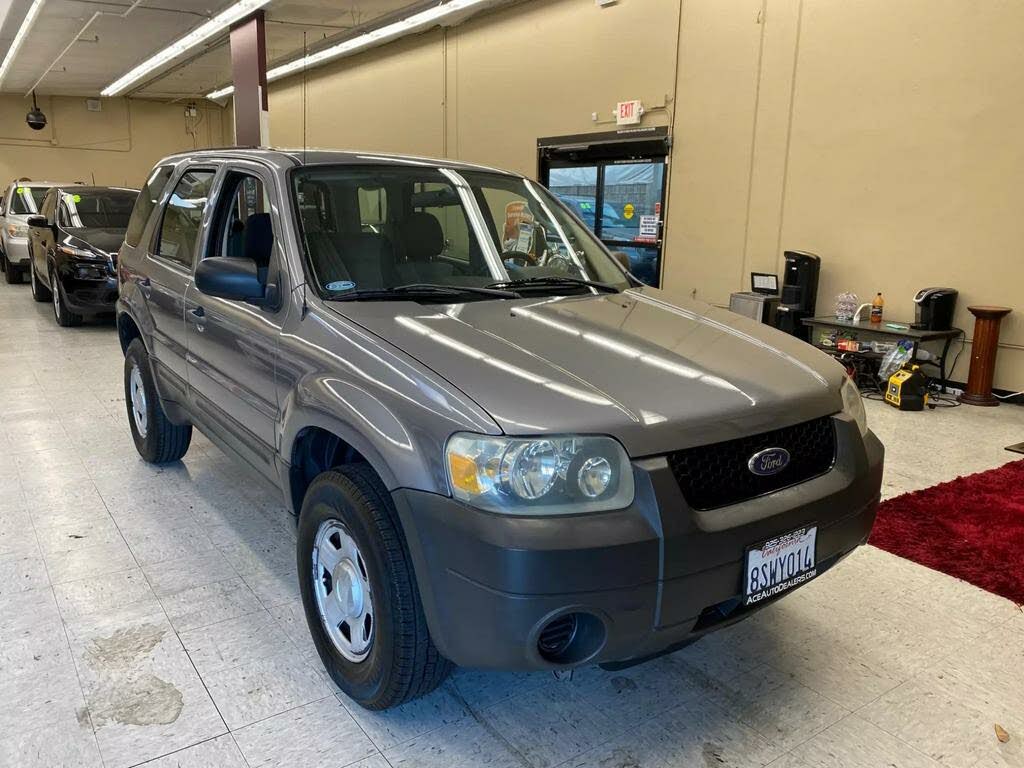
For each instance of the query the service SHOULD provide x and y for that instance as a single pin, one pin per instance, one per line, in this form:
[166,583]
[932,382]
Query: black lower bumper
[648,579]
[88,295]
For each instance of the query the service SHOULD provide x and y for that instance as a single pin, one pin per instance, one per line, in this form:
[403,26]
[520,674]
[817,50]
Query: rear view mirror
[37,221]
[229,278]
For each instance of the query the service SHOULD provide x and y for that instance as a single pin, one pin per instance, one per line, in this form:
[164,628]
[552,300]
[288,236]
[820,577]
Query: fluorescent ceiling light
[214,26]
[19,36]
[413,23]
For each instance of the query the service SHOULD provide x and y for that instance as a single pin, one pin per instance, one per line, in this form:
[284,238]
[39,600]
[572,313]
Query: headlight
[853,405]
[81,253]
[17,230]
[554,475]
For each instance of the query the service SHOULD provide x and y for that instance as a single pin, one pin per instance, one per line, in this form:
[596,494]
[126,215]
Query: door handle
[197,316]
[145,285]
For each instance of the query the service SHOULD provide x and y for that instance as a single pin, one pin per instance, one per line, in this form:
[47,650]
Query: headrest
[422,237]
[259,239]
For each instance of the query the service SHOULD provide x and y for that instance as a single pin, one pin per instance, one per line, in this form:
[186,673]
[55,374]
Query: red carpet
[971,528]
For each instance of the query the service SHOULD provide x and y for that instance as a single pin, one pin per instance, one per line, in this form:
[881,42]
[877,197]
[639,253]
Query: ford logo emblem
[770,461]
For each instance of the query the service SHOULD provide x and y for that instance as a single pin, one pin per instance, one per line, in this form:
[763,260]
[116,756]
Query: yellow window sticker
[629,210]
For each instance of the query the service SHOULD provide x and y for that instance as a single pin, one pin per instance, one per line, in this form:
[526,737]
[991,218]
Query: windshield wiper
[421,290]
[553,280]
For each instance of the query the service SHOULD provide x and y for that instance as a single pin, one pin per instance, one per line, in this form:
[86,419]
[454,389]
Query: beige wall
[118,145]
[885,137]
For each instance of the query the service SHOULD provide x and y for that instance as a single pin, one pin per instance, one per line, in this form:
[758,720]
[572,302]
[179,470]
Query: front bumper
[656,575]
[16,251]
[88,287]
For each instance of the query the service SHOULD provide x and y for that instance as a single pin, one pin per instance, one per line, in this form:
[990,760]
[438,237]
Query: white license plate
[780,564]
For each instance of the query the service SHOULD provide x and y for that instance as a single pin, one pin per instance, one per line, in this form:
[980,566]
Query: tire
[402,663]
[65,318]
[39,291]
[159,441]
[12,274]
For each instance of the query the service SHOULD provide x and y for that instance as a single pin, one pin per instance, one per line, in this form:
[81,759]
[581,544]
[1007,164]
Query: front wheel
[359,592]
[12,273]
[65,317]
[39,291]
[157,440]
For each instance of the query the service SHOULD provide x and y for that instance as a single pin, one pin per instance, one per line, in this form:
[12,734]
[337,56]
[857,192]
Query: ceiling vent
[94,105]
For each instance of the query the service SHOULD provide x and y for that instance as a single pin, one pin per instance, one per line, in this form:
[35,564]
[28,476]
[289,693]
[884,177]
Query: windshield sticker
[340,285]
[629,210]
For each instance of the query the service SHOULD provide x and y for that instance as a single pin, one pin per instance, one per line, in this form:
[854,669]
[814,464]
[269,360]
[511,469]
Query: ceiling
[112,45]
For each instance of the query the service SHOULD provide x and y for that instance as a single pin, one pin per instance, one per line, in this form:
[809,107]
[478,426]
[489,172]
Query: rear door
[232,345]
[168,273]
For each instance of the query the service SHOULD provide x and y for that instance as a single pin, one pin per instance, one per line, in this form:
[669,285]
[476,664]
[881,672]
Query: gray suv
[503,451]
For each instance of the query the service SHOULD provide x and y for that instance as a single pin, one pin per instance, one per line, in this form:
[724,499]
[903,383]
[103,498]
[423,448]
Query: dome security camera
[35,118]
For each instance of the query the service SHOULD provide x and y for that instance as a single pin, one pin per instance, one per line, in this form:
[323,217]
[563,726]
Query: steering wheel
[519,258]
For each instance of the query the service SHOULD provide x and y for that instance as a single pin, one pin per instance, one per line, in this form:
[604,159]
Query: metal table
[914,335]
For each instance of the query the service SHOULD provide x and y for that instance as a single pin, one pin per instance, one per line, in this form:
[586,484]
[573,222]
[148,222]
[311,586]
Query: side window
[63,215]
[373,208]
[179,230]
[442,203]
[48,208]
[146,202]
[243,227]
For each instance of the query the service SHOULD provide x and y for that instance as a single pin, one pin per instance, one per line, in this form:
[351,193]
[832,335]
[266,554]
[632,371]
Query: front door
[232,345]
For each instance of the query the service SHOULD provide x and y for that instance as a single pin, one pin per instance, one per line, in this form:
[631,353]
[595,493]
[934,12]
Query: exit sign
[628,112]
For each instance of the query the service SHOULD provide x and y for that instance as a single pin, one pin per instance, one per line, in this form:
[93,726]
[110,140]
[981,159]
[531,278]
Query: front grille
[717,475]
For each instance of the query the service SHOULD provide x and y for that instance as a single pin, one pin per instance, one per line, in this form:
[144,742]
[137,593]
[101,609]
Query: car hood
[105,240]
[657,376]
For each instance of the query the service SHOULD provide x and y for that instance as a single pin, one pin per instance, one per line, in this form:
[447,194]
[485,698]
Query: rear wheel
[157,440]
[359,592]
[65,317]
[39,291]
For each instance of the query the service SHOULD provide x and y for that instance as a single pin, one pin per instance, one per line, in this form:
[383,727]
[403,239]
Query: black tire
[12,274]
[163,442]
[402,663]
[65,317]
[39,291]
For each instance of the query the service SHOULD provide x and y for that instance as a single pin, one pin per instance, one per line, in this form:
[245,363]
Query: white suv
[21,200]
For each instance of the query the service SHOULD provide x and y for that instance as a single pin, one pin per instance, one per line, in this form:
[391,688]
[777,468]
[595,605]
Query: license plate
[780,564]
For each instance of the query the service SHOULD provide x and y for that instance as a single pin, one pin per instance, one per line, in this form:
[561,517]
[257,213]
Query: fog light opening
[570,638]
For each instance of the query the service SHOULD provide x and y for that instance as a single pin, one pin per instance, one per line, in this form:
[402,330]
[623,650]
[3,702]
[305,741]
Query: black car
[73,246]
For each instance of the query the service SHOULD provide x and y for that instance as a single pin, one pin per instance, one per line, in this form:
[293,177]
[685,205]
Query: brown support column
[249,71]
[983,355]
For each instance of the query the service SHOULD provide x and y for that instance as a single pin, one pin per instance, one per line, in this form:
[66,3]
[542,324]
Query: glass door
[621,202]
[632,194]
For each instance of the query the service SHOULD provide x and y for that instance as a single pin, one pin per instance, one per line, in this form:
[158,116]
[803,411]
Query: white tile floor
[152,615]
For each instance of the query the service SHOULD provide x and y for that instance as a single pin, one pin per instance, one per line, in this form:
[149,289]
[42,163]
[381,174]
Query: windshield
[96,208]
[27,200]
[378,228]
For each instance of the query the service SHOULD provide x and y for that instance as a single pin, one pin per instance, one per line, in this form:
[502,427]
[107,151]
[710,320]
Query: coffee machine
[799,293]
[934,309]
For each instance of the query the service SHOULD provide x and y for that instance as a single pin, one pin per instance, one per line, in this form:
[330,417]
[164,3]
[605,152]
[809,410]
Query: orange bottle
[876,309]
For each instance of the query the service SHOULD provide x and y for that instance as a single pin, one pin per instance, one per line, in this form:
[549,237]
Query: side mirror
[38,221]
[229,278]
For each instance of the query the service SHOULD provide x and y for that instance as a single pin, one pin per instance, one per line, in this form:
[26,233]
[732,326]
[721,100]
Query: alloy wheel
[138,394]
[341,585]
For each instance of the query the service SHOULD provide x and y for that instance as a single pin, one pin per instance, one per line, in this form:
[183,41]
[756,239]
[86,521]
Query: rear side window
[146,202]
[179,231]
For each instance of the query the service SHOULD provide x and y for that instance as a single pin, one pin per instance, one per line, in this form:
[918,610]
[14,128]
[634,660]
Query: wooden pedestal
[983,355]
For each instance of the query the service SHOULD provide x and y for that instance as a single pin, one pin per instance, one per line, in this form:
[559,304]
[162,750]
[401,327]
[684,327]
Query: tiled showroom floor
[152,614]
